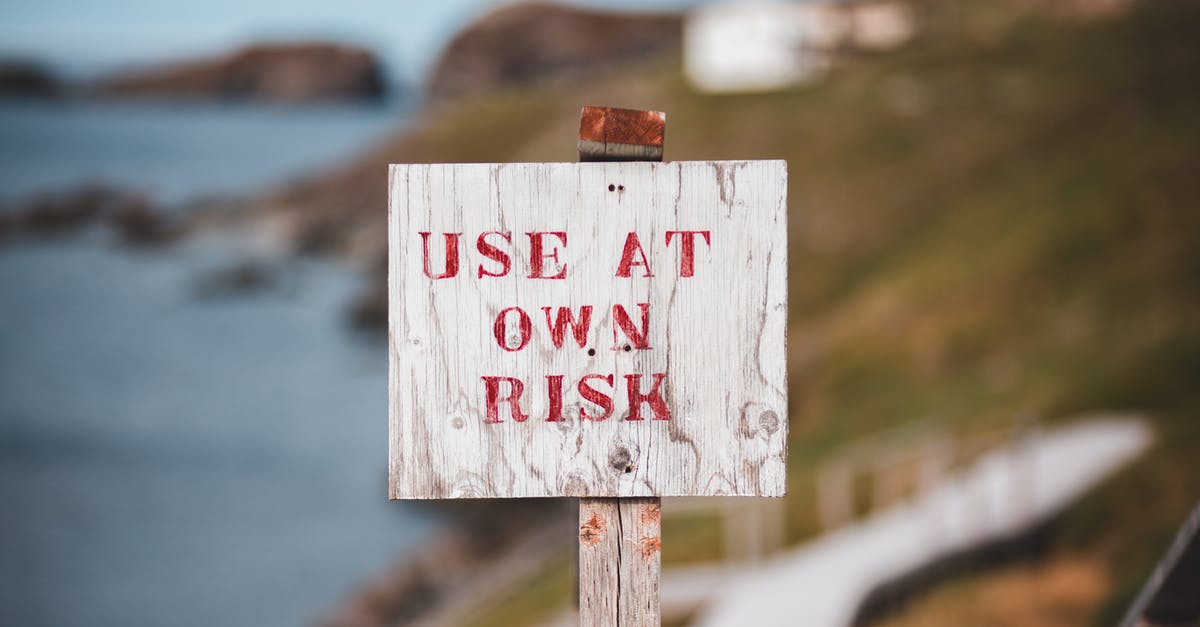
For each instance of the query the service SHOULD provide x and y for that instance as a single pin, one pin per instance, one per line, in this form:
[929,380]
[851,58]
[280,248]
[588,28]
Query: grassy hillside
[1001,220]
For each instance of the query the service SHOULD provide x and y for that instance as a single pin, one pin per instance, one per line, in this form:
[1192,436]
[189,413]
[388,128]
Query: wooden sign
[587,329]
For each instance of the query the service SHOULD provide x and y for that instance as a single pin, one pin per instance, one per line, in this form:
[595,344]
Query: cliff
[281,73]
[535,42]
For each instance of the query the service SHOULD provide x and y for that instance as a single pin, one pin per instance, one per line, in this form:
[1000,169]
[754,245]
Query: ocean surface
[176,153]
[171,452]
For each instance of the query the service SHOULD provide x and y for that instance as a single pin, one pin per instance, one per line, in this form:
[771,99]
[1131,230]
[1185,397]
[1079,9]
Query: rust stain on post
[612,134]
[650,545]
[592,531]
[651,515]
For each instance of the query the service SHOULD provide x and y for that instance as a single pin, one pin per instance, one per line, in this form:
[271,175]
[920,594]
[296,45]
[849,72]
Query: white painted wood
[719,335]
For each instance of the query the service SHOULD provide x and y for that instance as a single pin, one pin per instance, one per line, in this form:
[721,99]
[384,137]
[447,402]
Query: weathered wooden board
[714,332]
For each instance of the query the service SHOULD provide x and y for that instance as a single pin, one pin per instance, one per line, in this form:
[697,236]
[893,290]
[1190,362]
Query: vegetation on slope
[999,221]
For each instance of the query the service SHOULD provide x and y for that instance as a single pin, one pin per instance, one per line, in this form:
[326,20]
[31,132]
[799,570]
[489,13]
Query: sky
[82,37]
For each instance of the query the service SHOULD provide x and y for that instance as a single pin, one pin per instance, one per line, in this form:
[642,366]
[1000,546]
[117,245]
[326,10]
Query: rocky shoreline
[297,73]
[535,42]
[28,80]
[277,73]
[135,219]
[485,542]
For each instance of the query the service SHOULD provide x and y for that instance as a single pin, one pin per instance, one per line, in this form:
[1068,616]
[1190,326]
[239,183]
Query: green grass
[536,600]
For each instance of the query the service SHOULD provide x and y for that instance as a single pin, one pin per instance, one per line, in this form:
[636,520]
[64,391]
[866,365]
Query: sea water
[171,454]
[177,152]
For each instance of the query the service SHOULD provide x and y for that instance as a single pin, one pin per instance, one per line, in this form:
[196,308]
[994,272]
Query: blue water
[175,153]
[168,460]
[171,458]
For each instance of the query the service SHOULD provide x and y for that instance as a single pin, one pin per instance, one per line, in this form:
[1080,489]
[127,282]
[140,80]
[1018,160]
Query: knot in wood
[769,421]
[620,460]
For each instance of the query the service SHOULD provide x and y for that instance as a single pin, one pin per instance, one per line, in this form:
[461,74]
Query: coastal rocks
[487,547]
[247,277]
[26,80]
[133,218]
[533,42]
[370,309]
[276,73]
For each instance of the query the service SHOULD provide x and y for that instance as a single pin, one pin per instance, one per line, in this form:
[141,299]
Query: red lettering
[632,245]
[639,338]
[633,386]
[493,253]
[554,395]
[492,387]
[524,328]
[592,395]
[451,255]
[537,255]
[687,251]
[564,318]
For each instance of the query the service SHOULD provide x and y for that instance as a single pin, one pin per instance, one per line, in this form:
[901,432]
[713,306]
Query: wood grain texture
[718,335]
[622,586]
[620,557]
[612,134]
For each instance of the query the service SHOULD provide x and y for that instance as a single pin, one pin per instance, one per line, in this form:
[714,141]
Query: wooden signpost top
[610,134]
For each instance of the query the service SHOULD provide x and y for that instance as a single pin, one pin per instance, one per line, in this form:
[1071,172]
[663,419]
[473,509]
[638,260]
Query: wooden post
[619,561]
[489,399]
[620,558]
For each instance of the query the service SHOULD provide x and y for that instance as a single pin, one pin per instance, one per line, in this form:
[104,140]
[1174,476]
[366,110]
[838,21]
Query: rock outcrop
[27,79]
[131,216]
[531,42]
[280,73]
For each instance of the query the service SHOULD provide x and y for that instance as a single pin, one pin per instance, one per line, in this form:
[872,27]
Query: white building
[761,46]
